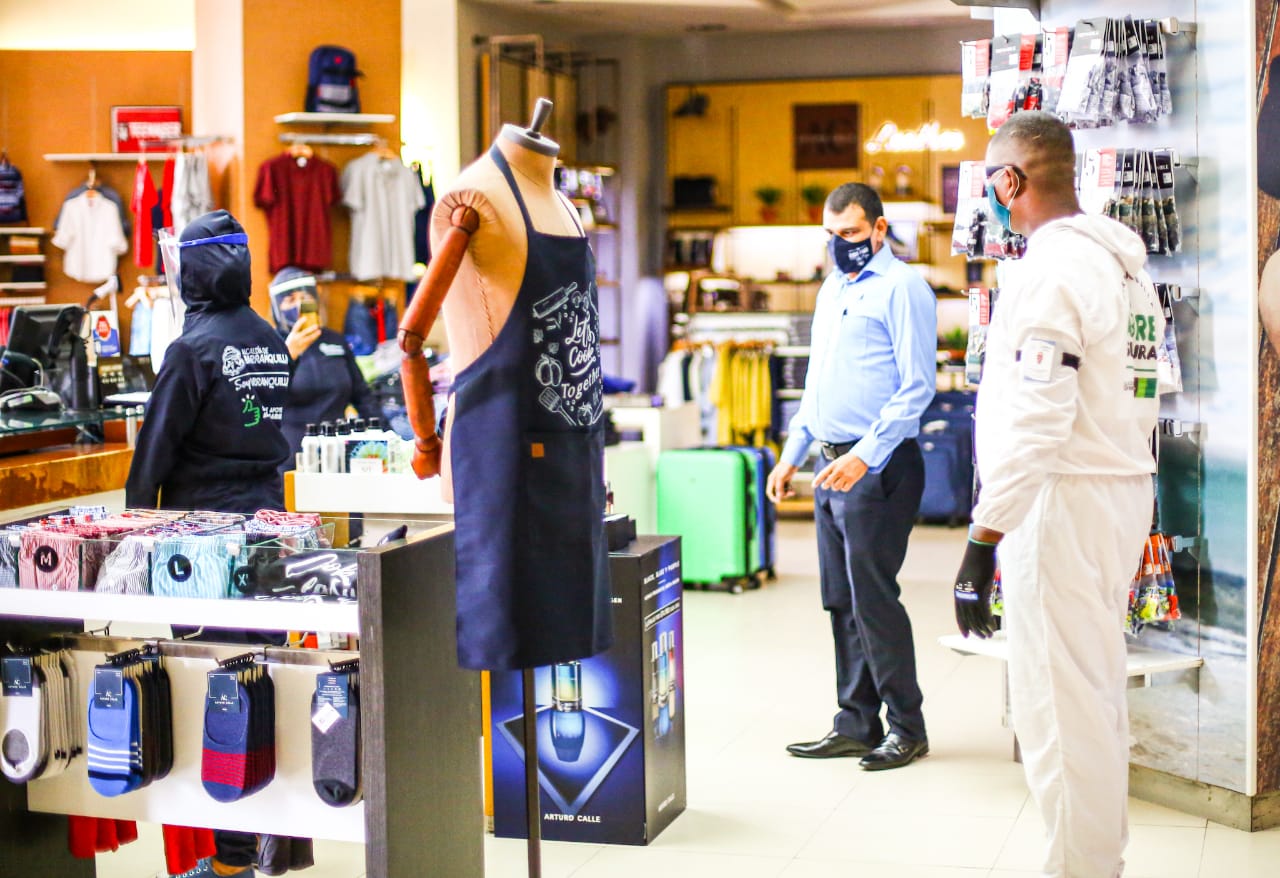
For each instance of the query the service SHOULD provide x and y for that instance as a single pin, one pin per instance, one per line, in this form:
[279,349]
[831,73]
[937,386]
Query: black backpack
[13,200]
[331,81]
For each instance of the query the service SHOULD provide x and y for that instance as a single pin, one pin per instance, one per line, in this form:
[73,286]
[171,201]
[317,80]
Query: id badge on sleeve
[1037,358]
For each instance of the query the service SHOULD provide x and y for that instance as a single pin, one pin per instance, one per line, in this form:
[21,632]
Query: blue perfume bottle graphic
[568,724]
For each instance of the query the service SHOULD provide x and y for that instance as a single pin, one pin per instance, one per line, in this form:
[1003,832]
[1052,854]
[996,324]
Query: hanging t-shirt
[144,199]
[167,317]
[192,194]
[296,195]
[384,197]
[106,192]
[90,232]
[166,191]
[422,221]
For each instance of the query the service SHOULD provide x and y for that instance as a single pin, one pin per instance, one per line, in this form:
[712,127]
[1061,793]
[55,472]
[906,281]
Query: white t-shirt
[90,232]
[383,196]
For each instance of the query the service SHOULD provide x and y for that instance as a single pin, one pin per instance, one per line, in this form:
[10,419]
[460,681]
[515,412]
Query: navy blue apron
[527,455]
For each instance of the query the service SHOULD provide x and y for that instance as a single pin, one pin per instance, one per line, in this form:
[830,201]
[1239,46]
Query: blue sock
[224,760]
[111,739]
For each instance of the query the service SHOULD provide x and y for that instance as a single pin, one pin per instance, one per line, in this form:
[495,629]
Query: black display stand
[420,723]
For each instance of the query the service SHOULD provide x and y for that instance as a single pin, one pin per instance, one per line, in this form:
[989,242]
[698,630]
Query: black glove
[973,589]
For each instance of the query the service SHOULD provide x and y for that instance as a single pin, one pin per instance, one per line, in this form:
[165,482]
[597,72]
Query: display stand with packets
[357,777]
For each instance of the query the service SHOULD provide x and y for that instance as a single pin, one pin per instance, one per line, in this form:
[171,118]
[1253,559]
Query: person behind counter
[325,377]
[212,435]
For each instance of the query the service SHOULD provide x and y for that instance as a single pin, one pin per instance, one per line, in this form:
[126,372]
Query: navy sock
[224,760]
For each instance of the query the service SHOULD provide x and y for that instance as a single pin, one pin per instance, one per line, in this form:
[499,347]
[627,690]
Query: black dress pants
[862,542]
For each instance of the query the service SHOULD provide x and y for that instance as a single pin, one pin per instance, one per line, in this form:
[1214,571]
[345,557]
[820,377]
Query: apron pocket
[560,493]
[562,501]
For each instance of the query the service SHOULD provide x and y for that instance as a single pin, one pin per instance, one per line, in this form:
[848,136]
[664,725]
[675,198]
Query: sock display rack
[421,812]
[1127,169]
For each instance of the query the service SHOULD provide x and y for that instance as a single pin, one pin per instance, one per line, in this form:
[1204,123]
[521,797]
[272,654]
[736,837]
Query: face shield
[291,298]
[171,255]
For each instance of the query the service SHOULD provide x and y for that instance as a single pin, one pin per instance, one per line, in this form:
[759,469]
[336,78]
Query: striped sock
[112,744]
[224,762]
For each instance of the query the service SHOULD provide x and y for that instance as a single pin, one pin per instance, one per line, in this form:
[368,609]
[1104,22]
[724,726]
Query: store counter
[42,461]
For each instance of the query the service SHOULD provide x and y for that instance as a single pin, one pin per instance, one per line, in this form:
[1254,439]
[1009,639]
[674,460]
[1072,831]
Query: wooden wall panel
[61,102]
[278,38]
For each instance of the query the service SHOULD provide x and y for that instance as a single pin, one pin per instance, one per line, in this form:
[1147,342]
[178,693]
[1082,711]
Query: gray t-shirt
[383,196]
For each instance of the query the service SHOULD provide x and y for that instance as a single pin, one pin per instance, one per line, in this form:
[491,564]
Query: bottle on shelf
[331,449]
[311,450]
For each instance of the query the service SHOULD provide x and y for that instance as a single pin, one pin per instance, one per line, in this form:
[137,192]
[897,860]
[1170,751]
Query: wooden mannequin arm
[415,374]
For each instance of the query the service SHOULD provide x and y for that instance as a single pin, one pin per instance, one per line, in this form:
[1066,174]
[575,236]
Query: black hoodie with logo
[211,438]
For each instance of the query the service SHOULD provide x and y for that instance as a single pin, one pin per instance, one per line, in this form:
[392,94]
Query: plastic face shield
[171,254]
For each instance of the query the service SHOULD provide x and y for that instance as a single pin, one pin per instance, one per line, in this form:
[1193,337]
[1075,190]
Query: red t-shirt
[297,198]
[144,199]
[166,191]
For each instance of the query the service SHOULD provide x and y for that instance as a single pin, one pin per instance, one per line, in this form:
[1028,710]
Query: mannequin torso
[514,276]
[484,289]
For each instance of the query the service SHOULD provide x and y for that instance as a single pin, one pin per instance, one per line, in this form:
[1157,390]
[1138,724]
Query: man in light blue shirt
[871,374]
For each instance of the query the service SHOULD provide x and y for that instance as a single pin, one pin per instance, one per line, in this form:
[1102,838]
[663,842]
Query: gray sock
[335,749]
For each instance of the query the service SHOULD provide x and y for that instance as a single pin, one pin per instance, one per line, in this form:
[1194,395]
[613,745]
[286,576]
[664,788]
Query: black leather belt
[831,452]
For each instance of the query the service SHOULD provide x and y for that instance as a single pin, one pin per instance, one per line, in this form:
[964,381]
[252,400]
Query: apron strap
[503,165]
[501,161]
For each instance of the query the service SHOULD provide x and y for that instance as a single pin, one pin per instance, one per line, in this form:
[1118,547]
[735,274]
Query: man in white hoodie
[1064,422]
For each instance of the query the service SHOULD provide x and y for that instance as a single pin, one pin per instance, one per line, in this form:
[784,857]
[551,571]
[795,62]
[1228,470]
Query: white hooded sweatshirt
[1068,387]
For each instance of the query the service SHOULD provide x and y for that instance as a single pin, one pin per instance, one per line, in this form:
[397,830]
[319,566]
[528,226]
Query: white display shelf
[388,493]
[106,156]
[21,230]
[1143,661]
[23,259]
[23,286]
[230,613]
[335,118]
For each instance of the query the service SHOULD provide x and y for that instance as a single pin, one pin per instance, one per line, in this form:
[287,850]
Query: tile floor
[758,672]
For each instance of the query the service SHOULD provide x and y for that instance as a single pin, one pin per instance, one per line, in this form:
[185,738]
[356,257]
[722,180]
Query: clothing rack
[190,140]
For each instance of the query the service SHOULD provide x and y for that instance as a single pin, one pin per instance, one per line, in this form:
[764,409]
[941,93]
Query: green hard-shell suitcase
[707,497]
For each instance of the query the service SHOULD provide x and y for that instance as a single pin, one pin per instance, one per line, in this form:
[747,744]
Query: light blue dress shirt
[872,362]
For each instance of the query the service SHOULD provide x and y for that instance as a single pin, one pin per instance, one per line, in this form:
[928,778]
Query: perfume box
[610,728]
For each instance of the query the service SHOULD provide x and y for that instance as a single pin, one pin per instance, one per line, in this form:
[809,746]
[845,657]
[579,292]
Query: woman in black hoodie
[211,438]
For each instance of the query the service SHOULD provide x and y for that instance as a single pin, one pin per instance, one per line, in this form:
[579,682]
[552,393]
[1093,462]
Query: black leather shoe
[833,745]
[894,752]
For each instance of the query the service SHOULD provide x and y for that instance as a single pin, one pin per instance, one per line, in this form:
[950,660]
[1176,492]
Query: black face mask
[850,257]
